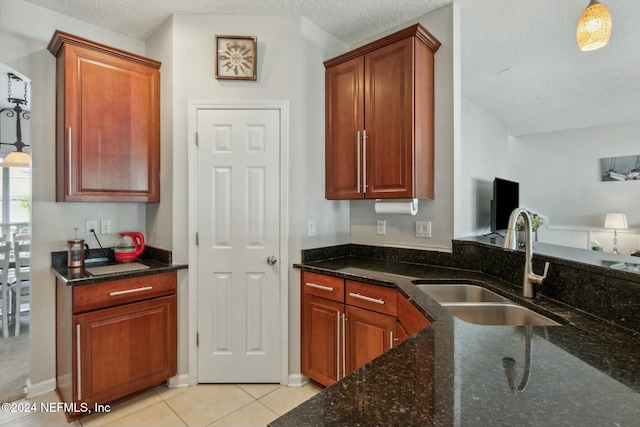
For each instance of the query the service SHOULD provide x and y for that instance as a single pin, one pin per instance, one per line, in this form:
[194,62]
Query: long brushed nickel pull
[130,291]
[70,160]
[364,161]
[366,298]
[78,362]
[324,288]
[358,168]
[344,345]
[338,345]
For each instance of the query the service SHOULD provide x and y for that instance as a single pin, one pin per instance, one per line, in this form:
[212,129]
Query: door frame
[283,261]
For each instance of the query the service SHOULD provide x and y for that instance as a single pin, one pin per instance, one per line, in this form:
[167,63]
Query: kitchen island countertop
[585,372]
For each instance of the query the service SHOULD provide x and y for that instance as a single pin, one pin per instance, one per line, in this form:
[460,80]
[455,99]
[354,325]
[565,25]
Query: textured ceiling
[549,84]
[349,20]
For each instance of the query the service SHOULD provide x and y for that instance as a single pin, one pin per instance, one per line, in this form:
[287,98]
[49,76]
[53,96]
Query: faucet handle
[546,270]
[537,278]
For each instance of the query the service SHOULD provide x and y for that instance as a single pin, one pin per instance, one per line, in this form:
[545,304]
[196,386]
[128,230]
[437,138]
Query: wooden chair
[5,253]
[20,288]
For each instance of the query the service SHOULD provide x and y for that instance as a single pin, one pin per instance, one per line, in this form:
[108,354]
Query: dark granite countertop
[158,261]
[585,372]
[620,265]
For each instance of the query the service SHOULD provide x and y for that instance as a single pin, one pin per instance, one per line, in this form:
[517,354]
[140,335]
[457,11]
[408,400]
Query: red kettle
[129,246]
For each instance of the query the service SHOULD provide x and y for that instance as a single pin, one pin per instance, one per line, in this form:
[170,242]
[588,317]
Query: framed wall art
[236,57]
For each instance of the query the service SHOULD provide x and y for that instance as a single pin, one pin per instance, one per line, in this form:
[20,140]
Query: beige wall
[25,31]
[291,52]
[401,228]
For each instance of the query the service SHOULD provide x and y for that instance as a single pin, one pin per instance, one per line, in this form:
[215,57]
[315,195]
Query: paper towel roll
[405,207]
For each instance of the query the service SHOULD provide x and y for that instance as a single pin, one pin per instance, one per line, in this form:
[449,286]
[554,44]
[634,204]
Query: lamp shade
[16,159]
[617,221]
[594,27]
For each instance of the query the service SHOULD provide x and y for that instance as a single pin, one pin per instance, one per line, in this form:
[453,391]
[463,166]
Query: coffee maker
[77,252]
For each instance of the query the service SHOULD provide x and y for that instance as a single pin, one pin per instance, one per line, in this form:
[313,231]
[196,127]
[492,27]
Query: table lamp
[616,221]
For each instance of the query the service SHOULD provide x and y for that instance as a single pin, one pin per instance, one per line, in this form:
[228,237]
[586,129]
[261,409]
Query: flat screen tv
[505,200]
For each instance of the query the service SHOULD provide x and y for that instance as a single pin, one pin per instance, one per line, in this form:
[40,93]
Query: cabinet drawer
[117,292]
[372,297]
[323,286]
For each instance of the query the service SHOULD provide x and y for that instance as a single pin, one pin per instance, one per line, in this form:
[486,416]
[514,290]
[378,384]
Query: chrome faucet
[511,243]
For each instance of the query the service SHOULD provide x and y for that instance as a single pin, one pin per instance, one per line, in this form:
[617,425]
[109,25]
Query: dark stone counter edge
[586,337]
[158,260]
[555,310]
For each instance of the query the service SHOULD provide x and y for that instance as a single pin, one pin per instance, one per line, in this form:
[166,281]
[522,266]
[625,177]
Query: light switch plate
[423,228]
[382,227]
[311,231]
[105,226]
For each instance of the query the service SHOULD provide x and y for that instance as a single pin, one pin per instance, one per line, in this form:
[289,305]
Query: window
[15,201]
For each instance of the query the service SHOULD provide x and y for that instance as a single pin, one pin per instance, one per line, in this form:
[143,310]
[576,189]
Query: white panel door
[238,198]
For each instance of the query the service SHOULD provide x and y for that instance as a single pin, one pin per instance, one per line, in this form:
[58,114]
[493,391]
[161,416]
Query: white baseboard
[180,380]
[39,389]
[297,380]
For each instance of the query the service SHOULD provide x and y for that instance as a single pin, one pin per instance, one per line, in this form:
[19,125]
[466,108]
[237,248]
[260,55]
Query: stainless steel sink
[475,304]
[460,292]
[498,314]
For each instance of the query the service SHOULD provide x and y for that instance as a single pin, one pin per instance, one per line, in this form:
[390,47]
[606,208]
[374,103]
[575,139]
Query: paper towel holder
[409,207]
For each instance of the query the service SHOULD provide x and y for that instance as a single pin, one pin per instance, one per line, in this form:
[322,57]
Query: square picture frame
[236,57]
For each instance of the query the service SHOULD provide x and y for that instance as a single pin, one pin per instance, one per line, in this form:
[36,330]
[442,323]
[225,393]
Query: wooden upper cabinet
[108,123]
[379,119]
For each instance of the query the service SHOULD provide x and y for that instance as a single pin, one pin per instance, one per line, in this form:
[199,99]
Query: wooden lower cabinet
[124,344]
[322,339]
[410,320]
[346,324]
[124,349]
[368,335]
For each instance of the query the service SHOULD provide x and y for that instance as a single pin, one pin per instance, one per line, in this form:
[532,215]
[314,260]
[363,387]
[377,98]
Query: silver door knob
[271,260]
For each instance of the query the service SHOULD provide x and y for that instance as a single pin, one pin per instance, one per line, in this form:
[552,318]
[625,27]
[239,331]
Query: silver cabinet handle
[130,291]
[364,161]
[358,169]
[366,298]
[324,288]
[344,345]
[70,161]
[78,362]
[271,260]
[392,339]
[338,318]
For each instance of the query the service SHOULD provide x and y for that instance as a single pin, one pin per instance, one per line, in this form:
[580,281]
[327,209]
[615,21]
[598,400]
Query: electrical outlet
[105,226]
[311,231]
[92,224]
[382,227]
[423,228]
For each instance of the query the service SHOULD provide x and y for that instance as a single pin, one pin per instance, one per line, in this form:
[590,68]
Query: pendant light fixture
[594,27]
[16,158]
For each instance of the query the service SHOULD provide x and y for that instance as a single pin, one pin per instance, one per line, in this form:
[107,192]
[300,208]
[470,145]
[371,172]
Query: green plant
[25,202]
[536,222]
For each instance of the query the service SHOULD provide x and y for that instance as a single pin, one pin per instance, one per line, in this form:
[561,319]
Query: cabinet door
[344,119]
[322,351]
[368,335]
[410,320]
[109,141]
[124,349]
[389,120]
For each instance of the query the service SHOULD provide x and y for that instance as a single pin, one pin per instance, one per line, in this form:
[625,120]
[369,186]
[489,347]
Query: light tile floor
[214,405]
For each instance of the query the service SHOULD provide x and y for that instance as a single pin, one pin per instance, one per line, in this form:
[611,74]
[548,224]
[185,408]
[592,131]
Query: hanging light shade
[594,27]
[16,159]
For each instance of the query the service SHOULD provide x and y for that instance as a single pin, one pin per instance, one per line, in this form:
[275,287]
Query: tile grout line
[217,419]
